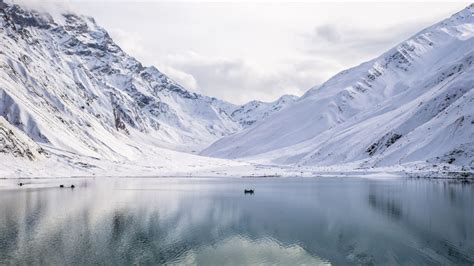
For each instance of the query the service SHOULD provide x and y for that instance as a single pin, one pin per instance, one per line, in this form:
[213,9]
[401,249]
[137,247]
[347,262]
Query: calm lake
[210,221]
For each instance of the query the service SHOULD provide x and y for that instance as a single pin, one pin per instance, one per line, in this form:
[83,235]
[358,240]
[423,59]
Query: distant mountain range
[65,86]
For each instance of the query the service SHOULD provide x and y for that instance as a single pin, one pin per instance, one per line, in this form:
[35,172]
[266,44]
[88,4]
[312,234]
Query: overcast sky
[244,51]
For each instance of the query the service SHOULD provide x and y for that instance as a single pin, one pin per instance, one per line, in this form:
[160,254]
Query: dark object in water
[61,186]
[72,186]
[20,184]
[248,191]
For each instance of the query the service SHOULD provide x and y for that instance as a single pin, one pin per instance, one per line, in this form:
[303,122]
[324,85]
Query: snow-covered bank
[165,163]
[156,161]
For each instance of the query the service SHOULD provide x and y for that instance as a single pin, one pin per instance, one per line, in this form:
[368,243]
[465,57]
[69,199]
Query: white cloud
[185,79]
[239,81]
[342,45]
[54,8]
[363,40]
[130,42]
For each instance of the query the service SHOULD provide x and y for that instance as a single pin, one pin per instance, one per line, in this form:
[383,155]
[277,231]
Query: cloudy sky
[240,51]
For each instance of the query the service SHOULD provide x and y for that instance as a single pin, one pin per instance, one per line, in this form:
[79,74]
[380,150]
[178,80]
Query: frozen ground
[165,163]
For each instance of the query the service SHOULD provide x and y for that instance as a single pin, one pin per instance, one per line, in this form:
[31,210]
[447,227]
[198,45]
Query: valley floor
[166,163]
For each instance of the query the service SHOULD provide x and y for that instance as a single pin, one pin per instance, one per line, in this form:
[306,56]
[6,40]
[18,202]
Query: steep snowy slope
[257,111]
[66,84]
[14,142]
[413,103]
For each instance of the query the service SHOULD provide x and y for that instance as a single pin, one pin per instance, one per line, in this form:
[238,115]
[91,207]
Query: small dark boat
[20,184]
[72,186]
[248,191]
[61,186]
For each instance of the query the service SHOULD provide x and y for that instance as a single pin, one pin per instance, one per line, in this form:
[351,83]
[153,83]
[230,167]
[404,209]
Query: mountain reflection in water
[211,221]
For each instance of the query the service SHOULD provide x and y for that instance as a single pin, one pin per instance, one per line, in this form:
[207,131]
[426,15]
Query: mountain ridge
[72,98]
[67,85]
[328,124]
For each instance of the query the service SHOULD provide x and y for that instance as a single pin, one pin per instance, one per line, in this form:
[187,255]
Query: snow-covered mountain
[71,96]
[68,86]
[256,111]
[412,103]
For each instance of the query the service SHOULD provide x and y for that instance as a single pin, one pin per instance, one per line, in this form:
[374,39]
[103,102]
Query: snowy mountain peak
[256,111]
[18,17]
[63,80]
[68,86]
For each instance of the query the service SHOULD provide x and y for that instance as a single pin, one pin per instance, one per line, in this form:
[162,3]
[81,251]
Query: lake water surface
[210,221]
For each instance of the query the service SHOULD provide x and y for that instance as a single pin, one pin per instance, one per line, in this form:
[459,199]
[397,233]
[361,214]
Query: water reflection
[211,221]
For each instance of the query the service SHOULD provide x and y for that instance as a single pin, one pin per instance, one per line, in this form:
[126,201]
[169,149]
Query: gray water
[211,221]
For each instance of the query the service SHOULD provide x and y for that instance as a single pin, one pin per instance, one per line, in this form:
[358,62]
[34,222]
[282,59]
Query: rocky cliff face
[67,85]
[15,143]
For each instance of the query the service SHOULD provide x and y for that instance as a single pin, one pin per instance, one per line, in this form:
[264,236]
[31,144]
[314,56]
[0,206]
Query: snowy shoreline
[203,167]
